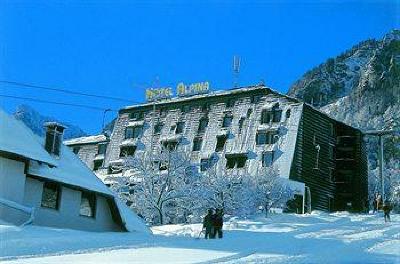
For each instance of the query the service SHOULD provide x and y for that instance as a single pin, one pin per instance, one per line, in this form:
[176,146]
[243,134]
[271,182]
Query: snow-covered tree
[155,185]
[270,189]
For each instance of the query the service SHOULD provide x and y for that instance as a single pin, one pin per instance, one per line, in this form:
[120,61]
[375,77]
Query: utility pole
[236,70]
[381,134]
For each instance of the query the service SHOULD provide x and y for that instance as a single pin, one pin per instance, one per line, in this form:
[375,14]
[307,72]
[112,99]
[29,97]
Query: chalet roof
[67,168]
[16,138]
[86,140]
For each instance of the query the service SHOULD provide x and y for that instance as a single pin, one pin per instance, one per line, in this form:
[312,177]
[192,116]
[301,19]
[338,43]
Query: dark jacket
[218,220]
[208,221]
[387,208]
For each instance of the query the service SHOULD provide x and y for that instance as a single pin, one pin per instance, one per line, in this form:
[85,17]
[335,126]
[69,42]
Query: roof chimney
[54,137]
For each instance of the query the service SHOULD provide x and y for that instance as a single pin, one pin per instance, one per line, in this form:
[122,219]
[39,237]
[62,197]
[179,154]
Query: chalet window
[127,151]
[101,149]
[267,158]
[179,127]
[88,204]
[158,127]
[227,122]
[76,149]
[288,114]
[136,116]
[249,112]
[220,143]
[204,164]
[264,137]
[202,125]
[197,144]
[133,132]
[51,195]
[97,164]
[236,162]
[230,103]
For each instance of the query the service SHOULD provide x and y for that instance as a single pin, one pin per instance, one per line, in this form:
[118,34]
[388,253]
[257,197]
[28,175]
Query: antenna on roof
[236,70]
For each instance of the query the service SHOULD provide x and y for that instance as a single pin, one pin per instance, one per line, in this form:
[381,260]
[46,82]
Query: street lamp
[380,134]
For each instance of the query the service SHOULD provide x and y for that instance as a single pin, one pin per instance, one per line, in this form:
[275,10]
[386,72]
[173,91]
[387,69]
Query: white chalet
[43,183]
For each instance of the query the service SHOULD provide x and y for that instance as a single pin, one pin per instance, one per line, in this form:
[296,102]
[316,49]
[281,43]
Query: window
[162,165]
[227,122]
[136,116]
[51,195]
[241,122]
[133,132]
[288,114]
[220,143]
[163,112]
[230,103]
[267,158]
[101,149]
[266,116]
[249,112]
[204,164]
[158,127]
[203,123]
[264,137]
[185,109]
[331,130]
[197,143]
[114,169]
[170,145]
[331,153]
[179,127]
[76,149]
[255,99]
[273,115]
[97,164]
[277,115]
[127,151]
[205,107]
[236,162]
[88,204]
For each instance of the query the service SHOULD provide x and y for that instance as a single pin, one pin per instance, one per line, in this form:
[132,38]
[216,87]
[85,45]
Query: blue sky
[119,48]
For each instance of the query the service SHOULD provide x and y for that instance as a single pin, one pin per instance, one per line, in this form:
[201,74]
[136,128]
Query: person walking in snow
[208,224]
[218,222]
[386,210]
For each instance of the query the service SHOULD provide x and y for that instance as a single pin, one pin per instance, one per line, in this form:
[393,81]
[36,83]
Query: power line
[57,103]
[27,85]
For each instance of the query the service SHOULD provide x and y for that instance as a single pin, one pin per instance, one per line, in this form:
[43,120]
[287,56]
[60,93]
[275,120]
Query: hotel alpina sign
[182,90]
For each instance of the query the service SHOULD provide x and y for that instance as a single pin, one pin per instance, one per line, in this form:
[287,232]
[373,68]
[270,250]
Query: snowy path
[316,238]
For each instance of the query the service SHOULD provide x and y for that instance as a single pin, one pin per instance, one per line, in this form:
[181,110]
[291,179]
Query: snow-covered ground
[282,238]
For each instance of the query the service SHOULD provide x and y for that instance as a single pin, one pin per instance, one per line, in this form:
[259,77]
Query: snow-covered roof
[86,140]
[16,138]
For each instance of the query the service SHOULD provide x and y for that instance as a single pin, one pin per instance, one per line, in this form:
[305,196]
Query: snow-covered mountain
[34,120]
[360,87]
